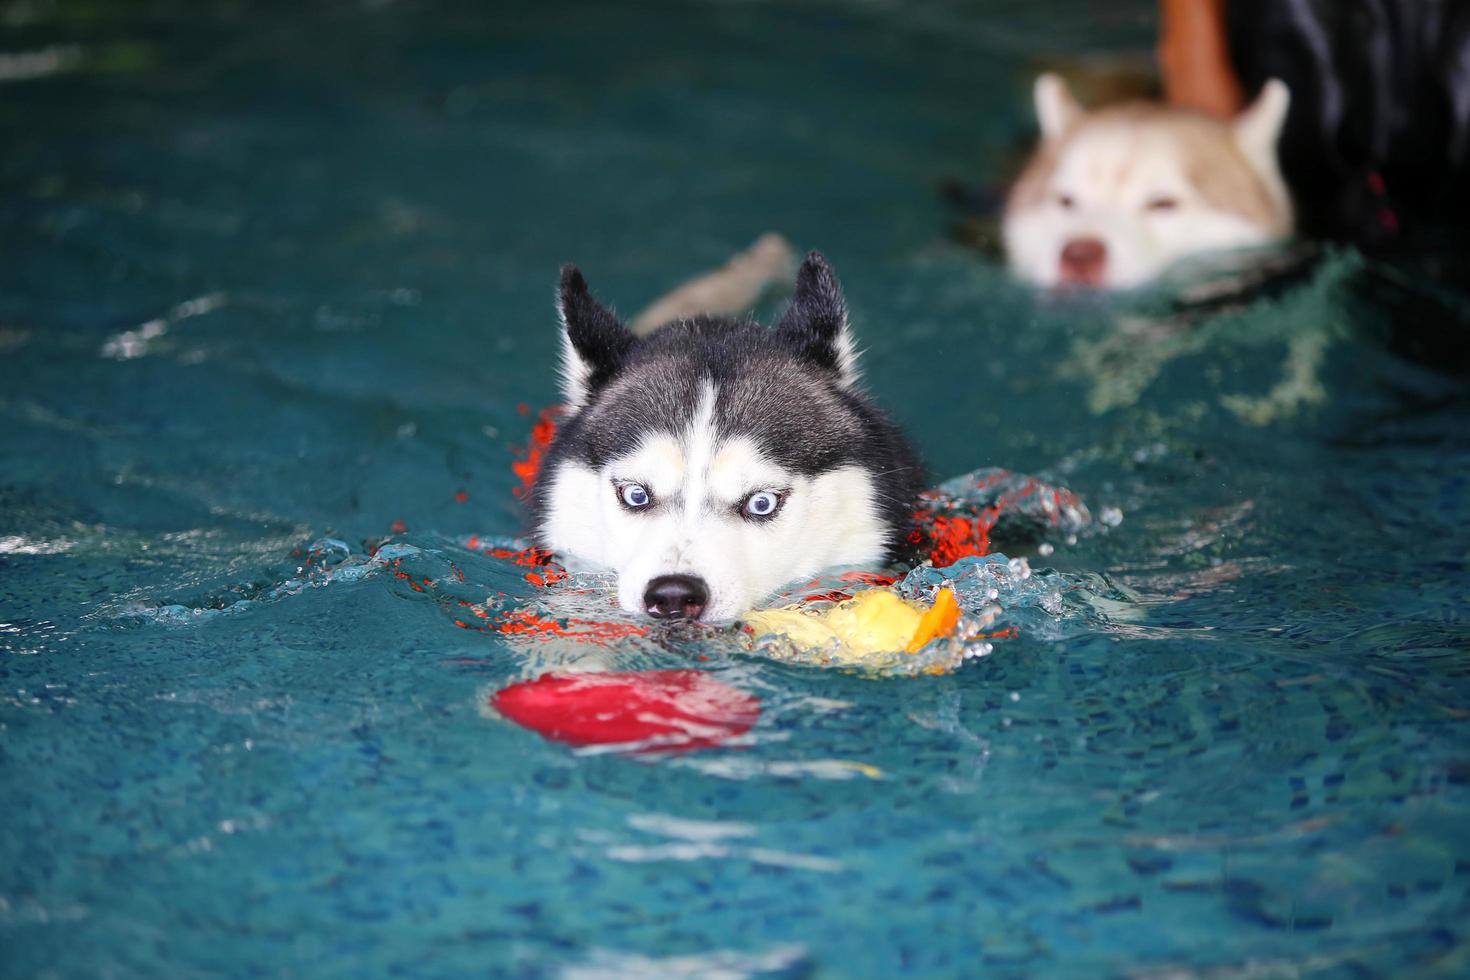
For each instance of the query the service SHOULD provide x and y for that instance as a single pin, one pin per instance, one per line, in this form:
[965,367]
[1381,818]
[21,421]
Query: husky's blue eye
[762,503]
[634,495]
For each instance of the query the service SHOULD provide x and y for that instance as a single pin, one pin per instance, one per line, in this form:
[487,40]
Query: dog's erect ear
[593,340]
[817,319]
[1258,126]
[1056,110]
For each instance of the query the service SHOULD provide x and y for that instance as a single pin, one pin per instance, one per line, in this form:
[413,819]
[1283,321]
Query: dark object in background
[1375,143]
[1415,306]
[976,209]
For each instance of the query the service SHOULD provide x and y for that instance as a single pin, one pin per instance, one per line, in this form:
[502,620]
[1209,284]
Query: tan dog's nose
[1083,260]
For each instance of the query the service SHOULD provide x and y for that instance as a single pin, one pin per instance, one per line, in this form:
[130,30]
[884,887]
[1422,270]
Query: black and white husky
[717,459]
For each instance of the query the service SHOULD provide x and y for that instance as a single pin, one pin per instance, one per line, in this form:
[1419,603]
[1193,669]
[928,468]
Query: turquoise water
[277,279]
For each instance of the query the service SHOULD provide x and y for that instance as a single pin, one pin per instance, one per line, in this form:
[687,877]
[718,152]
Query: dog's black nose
[676,597]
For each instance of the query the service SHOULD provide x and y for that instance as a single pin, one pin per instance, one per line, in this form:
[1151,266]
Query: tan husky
[1115,196]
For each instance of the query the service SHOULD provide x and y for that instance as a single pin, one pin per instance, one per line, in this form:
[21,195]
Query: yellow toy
[872,622]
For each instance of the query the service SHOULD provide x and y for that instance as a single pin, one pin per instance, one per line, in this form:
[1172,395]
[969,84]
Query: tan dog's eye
[1162,203]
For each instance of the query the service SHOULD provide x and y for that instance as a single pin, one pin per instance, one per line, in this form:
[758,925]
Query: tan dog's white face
[1114,197]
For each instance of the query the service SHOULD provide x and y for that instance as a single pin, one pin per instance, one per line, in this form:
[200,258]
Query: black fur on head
[594,341]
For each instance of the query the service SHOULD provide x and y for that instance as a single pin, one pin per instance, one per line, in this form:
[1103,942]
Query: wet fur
[787,397]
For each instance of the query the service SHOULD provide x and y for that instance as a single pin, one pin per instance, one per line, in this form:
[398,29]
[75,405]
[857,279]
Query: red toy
[669,710]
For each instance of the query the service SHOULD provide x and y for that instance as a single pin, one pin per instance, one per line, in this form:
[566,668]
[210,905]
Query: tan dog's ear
[1056,110]
[1258,126]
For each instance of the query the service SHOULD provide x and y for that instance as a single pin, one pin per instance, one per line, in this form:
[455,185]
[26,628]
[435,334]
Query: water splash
[325,562]
[560,618]
[999,598]
[967,515]
[568,618]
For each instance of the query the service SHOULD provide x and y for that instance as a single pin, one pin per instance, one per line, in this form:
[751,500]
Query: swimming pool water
[281,275]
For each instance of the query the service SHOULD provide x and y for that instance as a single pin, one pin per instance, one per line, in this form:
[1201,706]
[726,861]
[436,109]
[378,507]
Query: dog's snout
[1083,260]
[676,597]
